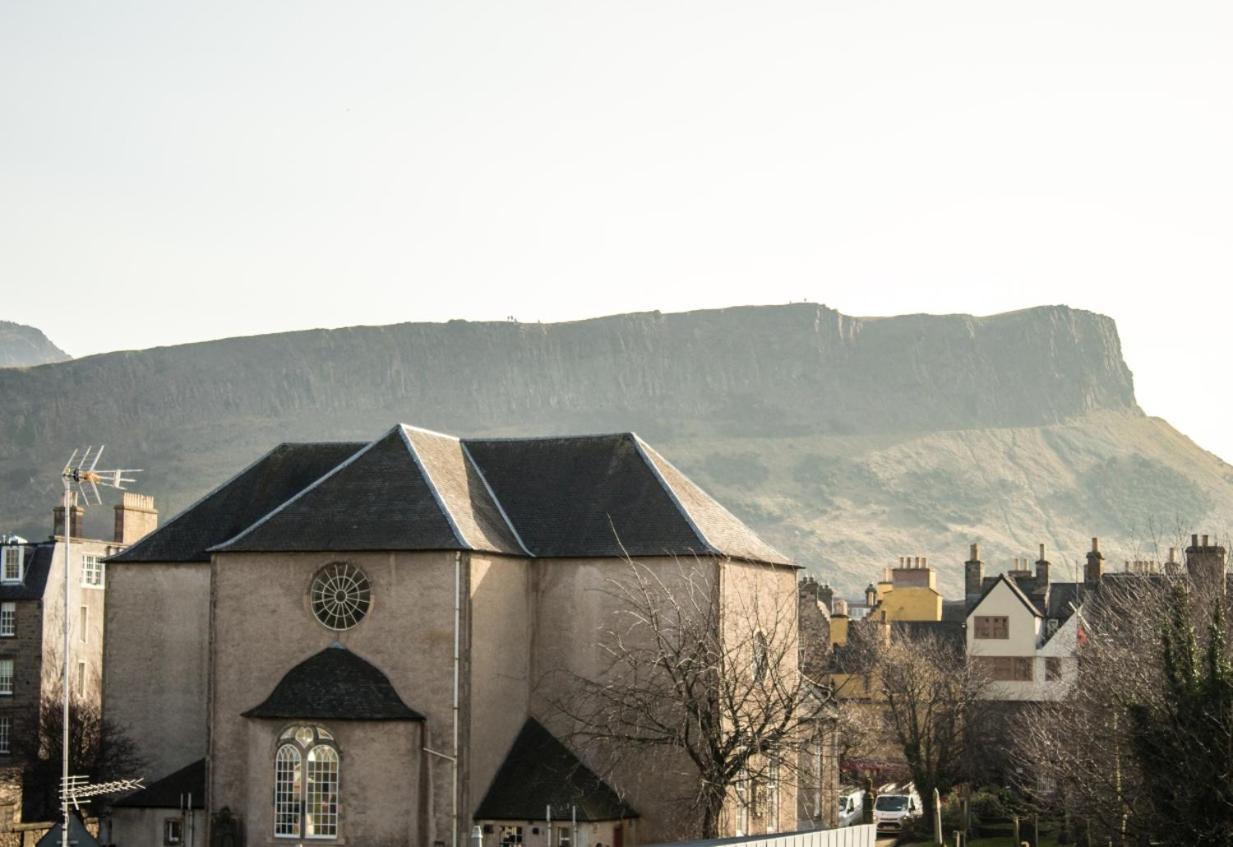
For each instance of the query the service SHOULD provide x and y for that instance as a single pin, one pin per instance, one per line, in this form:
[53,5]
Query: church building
[357,643]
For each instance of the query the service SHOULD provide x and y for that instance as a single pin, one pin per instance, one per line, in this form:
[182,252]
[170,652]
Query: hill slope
[22,346]
[846,441]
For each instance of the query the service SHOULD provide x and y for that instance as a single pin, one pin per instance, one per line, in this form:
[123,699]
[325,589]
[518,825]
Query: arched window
[306,784]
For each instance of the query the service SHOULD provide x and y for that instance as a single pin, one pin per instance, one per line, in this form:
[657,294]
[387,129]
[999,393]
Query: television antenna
[82,472]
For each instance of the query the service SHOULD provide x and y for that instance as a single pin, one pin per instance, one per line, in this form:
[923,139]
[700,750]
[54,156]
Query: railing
[864,835]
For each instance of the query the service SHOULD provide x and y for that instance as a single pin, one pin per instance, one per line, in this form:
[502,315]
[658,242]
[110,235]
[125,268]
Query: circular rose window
[340,596]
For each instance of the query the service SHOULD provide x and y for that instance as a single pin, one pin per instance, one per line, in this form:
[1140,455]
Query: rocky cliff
[22,346]
[819,428]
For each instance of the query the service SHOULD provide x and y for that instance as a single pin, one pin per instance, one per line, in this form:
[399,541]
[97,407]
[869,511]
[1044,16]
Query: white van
[851,805]
[895,806]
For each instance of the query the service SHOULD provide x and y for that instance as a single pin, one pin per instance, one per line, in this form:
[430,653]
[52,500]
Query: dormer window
[11,564]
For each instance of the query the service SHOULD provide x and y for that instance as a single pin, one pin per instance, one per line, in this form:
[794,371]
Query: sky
[174,172]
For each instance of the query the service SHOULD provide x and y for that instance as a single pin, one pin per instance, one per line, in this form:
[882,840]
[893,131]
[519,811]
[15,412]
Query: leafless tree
[933,706]
[704,678]
[97,749]
[1079,755]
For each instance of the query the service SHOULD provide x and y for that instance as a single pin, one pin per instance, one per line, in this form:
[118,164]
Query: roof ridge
[495,499]
[299,494]
[581,437]
[432,486]
[672,495]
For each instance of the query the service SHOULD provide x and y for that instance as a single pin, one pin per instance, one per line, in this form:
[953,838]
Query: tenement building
[32,617]
[362,643]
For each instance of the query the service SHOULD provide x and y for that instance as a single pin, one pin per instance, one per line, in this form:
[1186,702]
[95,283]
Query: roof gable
[335,684]
[233,506]
[539,771]
[1002,579]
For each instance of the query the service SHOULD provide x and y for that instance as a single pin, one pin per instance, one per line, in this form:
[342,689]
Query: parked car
[851,805]
[895,806]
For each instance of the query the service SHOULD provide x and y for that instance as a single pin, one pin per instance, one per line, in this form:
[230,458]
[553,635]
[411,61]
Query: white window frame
[7,671]
[6,735]
[306,759]
[11,557]
[8,619]
[93,574]
[173,831]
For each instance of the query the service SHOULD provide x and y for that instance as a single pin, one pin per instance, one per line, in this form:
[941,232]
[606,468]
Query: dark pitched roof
[35,569]
[237,503]
[379,499]
[1061,596]
[166,792]
[335,684]
[954,610]
[539,771]
[606,495]
[78,835]
[949,633]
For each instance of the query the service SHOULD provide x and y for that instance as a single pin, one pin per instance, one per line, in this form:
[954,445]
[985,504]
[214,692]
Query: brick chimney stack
[1042,571]
[973,571]
[57,518]
[1205,561]
[136,518]
[1095,564]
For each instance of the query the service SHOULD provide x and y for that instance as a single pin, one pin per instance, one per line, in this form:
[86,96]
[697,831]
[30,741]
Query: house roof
[539,771]
[335,684]
[950,633]
[237,503]
[166,793]
[36,567]
[560,497]
[993,583]
[78,835]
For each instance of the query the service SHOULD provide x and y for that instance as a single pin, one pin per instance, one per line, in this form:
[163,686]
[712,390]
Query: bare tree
[934,709]
[97,749]
[703,676]
[1090,758]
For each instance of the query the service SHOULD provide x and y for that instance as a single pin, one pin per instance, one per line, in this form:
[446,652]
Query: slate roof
[335,684]
[952,634]
[992,582]
[237,503]
[560,497]
[166,792]
[539,771]
[36,568]
[78,835]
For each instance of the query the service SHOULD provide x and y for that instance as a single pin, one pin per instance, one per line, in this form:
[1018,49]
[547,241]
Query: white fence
[864,835]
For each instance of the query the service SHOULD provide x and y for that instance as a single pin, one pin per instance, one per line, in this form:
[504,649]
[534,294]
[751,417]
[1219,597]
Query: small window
[85,623]
[772,796]
[565,837]
[91,571]
[1053,668]
[511,836]
[6,676]
[8,620]
[81,677]
[173,831]
[1006,668]
[6,735]
[11,563]
[992,626]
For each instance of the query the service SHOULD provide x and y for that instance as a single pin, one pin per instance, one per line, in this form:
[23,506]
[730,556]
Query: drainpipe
[457,676]
[458,658]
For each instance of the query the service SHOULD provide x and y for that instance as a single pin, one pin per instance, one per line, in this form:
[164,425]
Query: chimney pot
[1205,541]
[1194,541]
[1095,545]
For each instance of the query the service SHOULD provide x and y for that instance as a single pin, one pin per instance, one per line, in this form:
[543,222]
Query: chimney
[1171,566]
[1205,562]
[57,518]
[871,596]
[1042,571]
[973,571]
[1095,564]
[136,518]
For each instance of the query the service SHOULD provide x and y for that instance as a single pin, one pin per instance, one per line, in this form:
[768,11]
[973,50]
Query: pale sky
[173,172]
